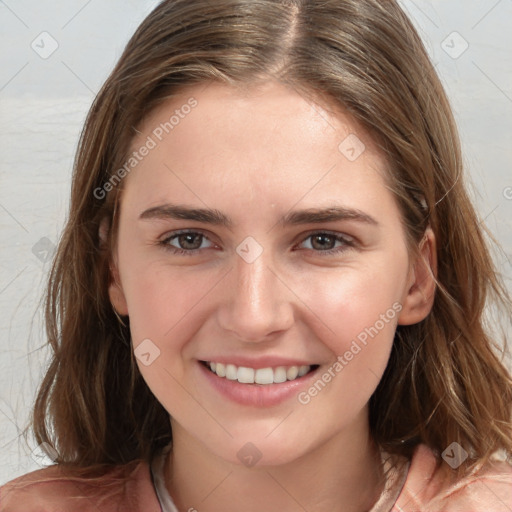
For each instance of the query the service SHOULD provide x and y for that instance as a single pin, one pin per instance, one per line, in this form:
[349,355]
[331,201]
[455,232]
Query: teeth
[264,376]
[280,374]
[303,370]
[246,375]
[220,369]
[231,372]
[292,372]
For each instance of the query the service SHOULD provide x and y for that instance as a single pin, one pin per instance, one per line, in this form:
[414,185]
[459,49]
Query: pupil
[188,239]
[324,238]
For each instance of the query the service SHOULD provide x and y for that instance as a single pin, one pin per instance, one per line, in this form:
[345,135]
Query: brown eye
[328,243]
[188,242]
[323,242]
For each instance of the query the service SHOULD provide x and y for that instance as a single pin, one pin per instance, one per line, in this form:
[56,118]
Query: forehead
[268,109]
[265,142]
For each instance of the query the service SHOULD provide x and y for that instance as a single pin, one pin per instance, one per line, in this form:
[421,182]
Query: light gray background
[43,103]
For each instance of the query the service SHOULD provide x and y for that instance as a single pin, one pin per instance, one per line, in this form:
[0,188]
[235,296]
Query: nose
[256,302]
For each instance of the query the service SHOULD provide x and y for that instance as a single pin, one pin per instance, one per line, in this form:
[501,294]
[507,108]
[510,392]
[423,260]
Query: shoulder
[52,489]
[429,488]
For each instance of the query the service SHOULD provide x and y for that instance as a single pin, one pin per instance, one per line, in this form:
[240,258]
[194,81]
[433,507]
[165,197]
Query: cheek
[358,313]
[164,308]
[160,300]
[351,301]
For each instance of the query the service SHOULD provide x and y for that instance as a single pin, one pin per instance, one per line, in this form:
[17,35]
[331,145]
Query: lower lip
[257,395]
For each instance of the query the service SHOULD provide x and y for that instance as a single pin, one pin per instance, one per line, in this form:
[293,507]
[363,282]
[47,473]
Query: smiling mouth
[264,376]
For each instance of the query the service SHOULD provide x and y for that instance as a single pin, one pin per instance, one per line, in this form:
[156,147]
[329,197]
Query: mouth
[260,376]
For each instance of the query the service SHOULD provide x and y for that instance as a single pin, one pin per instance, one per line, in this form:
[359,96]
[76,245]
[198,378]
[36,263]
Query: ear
[115,290]
[421,285]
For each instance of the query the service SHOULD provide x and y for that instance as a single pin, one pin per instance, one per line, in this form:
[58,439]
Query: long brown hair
[445,381]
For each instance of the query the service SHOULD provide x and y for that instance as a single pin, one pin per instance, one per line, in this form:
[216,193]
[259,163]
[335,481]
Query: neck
[343,474]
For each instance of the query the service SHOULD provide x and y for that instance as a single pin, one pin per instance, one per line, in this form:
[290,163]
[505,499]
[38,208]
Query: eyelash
[348,243]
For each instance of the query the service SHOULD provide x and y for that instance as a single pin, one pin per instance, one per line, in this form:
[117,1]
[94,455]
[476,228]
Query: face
[257,233]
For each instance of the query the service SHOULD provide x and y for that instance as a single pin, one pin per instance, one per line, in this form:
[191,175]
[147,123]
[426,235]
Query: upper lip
[260,362]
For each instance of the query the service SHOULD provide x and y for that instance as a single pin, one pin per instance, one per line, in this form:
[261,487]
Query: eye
[185,242]
[328,243]
[191,242]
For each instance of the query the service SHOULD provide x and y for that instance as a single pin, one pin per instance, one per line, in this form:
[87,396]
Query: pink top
[138,487]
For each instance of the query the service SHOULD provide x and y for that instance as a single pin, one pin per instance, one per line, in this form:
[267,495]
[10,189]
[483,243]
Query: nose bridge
[255,285]
[256,303]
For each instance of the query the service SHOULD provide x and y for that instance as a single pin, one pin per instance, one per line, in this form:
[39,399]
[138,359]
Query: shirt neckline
[157,476]
[396,472]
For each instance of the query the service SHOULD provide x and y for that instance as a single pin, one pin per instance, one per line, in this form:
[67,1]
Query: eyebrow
[293,218]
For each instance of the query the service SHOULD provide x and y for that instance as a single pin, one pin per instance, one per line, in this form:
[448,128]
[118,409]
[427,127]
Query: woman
[269,294]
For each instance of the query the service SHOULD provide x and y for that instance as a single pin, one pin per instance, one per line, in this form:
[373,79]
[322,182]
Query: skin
[255,155]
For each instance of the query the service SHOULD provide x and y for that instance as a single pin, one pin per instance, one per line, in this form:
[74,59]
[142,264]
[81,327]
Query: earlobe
[116,294]
[419,297]
[103,231]
[115,290]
